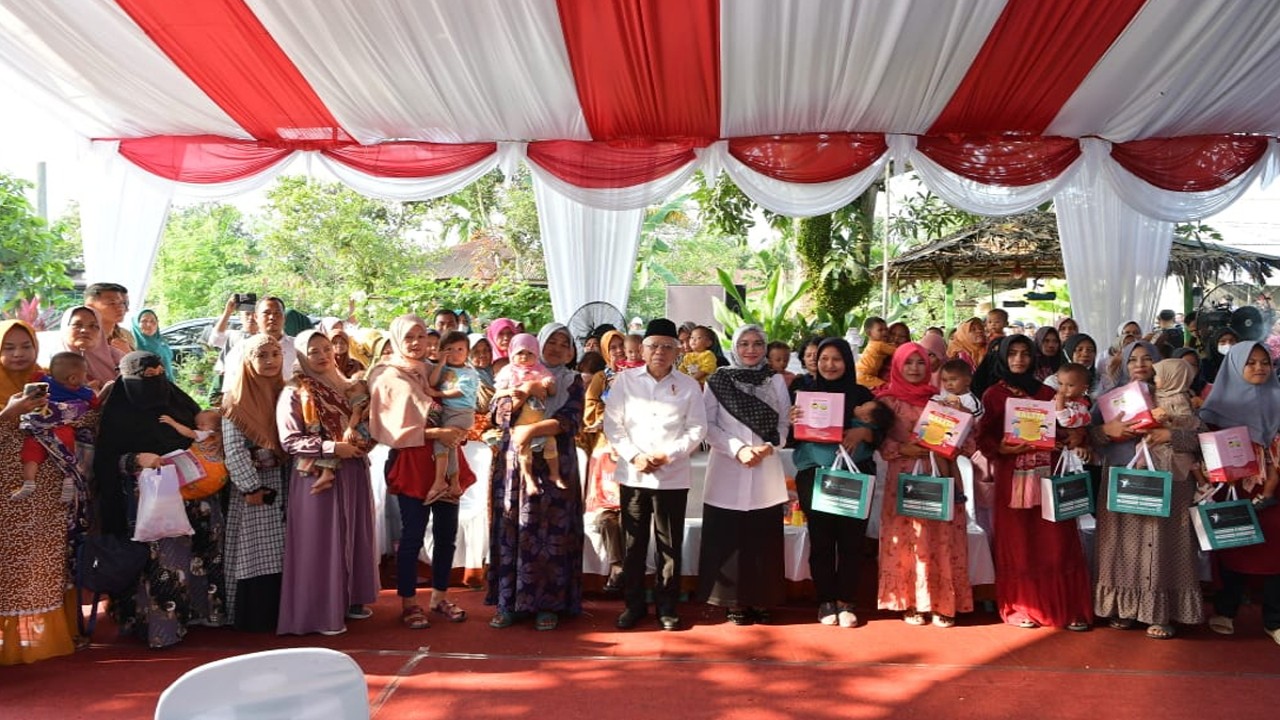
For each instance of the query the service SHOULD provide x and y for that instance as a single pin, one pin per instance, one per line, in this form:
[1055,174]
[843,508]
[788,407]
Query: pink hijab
[899,387]
[935,346]
[492,332]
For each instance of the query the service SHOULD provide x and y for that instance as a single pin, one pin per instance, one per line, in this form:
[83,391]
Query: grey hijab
[565,375]
[1233,401]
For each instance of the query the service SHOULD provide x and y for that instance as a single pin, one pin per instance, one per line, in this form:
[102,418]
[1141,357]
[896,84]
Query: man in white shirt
[655,418]
[269,312]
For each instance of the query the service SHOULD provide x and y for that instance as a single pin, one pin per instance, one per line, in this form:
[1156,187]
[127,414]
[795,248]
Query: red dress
[1041,573]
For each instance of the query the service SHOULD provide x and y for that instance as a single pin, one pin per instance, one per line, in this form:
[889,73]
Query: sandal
[1222,625]
[450,611]
[943,621]
[738,617]
[1120,623]
[502,620]
[414,618]
[1078,626]
[359,612]
[1160,632]
[911,617]
[759,615]
[1027,624]
[546,621]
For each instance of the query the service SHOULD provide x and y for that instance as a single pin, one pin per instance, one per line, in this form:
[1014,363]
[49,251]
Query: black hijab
[131,424]
[984,375]
[1025,381]
[1045,365]
[846,385]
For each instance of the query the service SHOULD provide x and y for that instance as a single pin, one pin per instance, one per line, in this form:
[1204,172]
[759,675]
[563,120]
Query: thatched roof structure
[1027,246]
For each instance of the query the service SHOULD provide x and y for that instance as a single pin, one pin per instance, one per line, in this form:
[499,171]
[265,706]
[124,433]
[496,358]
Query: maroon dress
[1041,573]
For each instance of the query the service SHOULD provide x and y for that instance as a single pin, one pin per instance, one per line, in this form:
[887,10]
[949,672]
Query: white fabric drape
[447,71]
[91,61]
[796,66]
[121,219]
[401,189]
[1166,204]
[790,199]
[590,253]
[1182,67]
[1115,257]
[972,196]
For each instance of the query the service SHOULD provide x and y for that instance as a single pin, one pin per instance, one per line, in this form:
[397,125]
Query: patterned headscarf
[744,391]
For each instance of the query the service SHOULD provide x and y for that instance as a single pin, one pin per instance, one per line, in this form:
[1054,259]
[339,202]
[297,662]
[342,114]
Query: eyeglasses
[669,347]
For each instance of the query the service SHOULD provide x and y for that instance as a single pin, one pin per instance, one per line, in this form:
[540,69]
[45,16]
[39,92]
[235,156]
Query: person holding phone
[37,614]
[254,544]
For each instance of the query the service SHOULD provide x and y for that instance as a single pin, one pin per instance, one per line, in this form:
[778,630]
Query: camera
[247,302]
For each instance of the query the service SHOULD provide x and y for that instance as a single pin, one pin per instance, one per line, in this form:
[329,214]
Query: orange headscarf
[11,382]
[605,340]
[961,342]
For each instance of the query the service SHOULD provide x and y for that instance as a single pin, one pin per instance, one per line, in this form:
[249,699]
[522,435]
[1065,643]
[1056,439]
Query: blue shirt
[462,378]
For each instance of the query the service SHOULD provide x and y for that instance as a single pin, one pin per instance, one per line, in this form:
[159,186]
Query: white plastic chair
[293,683]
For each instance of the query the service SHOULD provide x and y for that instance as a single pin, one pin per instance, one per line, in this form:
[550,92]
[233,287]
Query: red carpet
[794,668]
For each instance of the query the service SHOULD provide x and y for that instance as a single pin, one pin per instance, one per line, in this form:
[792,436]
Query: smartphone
[269,496]
[35,389]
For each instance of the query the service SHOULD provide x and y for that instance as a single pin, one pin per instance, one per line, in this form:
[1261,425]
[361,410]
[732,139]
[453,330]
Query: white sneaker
[1274,633]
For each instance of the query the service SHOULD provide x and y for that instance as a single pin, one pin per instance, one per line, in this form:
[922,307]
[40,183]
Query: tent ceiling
[453,71]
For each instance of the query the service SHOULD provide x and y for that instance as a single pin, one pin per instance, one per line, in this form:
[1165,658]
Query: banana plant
[768,306]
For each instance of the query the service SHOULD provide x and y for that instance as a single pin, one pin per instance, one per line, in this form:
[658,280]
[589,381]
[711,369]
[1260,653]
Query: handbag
[106,565]
[1221,525]
[843,489]
[1065,494]
[928,497]
[1140,492]
[161,511]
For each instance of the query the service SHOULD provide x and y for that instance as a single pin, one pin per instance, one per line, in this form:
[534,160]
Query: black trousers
[665,510]
[1228,599]
[835,546]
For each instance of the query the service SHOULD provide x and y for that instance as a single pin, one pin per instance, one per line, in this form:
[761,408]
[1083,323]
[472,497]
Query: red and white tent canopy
[1132,113]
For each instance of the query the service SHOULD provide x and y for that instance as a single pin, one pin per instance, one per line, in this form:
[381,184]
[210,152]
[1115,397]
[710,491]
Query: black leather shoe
[669,622]
[629,618]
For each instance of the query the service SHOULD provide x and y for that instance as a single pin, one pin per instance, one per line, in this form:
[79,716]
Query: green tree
[31,255]
[323,243]
[206,254]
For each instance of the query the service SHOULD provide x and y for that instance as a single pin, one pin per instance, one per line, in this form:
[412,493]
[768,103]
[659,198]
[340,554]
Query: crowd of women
[278,551]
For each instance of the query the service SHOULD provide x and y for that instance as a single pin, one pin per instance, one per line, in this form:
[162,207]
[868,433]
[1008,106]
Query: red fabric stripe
[223,47]
[809,158]
[204,159]
[1008,161]
[1190,164]
[646,68]
[1035,57]
[603,165]
[411,159]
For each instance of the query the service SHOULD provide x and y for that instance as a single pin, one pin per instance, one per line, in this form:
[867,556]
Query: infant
[355,433]
[955,377]
[524,372]
[51,429]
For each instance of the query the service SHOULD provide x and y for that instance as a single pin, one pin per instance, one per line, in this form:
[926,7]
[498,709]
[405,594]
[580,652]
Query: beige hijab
[398,400]
[250,401]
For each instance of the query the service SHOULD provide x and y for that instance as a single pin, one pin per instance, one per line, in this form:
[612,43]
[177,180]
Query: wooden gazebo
[1020,246]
